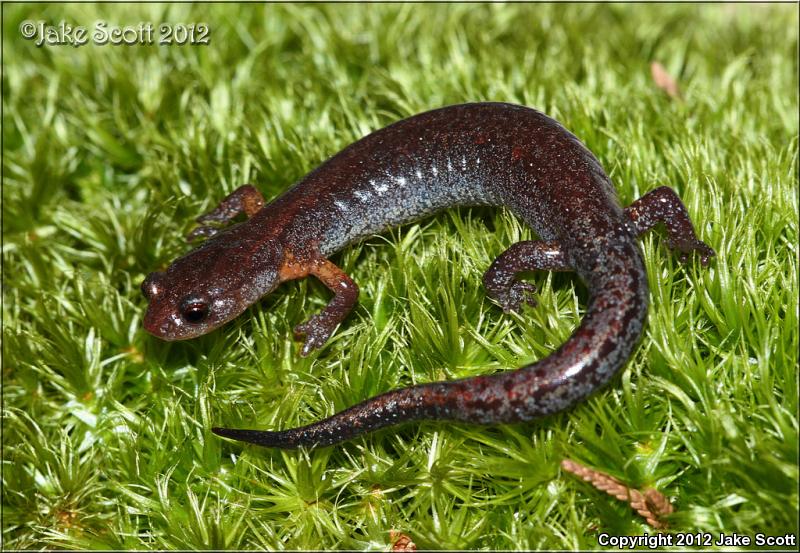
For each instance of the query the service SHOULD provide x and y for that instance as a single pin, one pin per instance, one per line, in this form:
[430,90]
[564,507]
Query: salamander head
[208,287]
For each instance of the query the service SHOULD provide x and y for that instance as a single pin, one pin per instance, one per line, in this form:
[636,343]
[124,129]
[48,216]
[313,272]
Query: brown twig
[401,542]
[650,504]
[664,80]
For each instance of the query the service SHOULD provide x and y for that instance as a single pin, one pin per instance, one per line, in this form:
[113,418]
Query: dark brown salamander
[473,154]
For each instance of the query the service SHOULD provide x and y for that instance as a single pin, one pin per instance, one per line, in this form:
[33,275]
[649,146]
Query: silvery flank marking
[379,188]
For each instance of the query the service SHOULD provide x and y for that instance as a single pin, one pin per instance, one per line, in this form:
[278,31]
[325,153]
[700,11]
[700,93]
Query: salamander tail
[594,353]
[285,440]
[390,408]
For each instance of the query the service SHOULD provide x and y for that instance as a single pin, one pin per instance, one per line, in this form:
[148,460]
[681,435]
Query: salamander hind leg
[662,205]
[501,282]
[245,199]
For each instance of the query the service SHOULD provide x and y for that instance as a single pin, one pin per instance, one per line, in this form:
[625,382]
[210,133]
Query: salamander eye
[194,311]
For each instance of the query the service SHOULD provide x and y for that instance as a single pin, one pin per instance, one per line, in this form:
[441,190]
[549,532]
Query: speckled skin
[472,154]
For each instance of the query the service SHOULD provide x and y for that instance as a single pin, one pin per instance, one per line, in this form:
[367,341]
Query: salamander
[488,154]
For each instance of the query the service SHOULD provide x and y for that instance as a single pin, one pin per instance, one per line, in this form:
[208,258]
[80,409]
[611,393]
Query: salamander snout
[208,287]
[151,286]
[178,312]
[171,318]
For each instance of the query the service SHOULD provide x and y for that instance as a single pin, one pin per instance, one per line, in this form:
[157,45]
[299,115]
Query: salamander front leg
[321,326]
[245,199]
[501,280]
[662,205]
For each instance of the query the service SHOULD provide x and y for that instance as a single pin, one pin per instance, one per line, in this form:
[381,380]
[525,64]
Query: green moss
[110,152]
